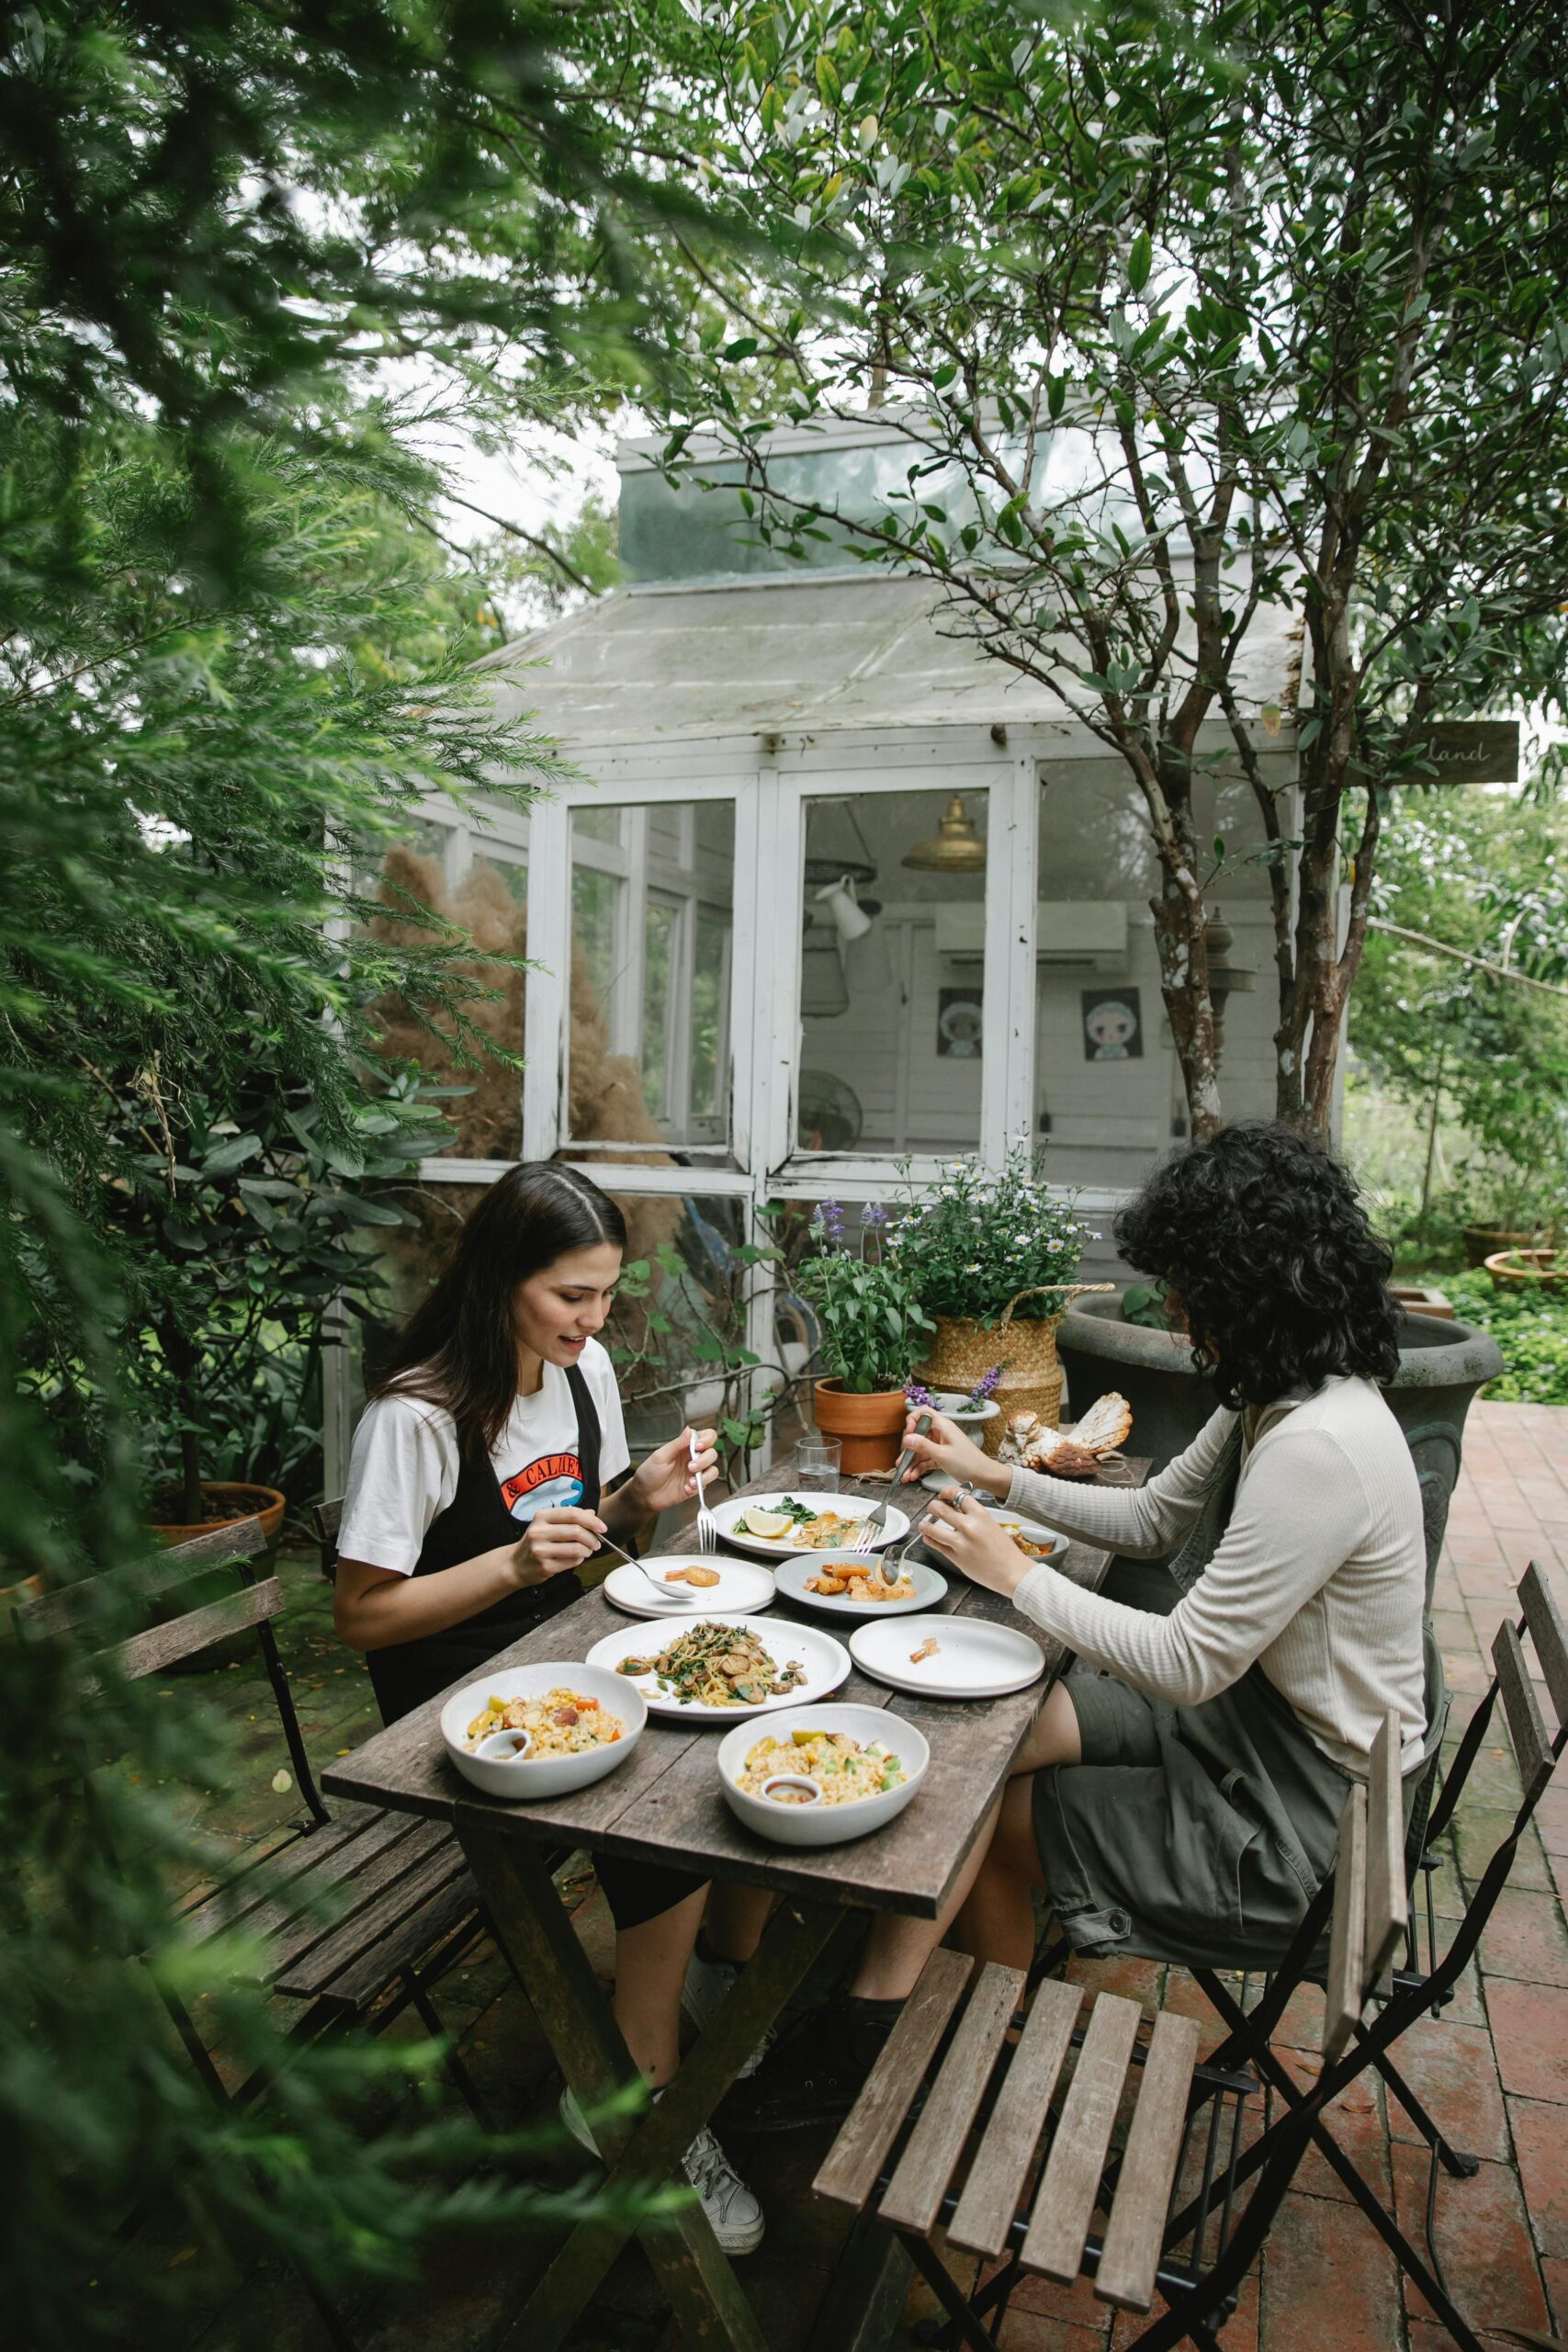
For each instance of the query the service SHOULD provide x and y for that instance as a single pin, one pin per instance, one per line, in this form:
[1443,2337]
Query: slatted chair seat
[978,2182]
[1009,2149]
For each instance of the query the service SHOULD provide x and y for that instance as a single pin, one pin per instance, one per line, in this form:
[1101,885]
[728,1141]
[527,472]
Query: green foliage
[975,1240]
[1146,1304]
[1485,873]
[1298,275]
[692,1332]
[233,662]
[868,1303]
[1531,1329]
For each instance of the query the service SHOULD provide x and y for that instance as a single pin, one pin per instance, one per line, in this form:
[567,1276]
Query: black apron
[405,1674]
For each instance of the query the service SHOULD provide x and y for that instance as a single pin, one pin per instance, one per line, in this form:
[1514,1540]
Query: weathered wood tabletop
[663,1806]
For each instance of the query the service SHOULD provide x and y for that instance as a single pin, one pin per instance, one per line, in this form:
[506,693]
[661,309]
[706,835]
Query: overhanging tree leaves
[225,659]
[1195,322]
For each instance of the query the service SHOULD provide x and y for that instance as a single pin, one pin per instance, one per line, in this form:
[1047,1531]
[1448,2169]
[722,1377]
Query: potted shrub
[994,1256]
[248,1225]
[873,1327]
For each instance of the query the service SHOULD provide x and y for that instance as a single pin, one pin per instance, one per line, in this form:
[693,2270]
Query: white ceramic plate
[825,1662]
[742,1589]
[822,1825]
[974,1658]
[790,1580]
[544,1776]
[761,1547]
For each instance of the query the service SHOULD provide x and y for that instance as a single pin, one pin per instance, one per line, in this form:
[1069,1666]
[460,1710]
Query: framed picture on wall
[1112,1025]
[960,1022]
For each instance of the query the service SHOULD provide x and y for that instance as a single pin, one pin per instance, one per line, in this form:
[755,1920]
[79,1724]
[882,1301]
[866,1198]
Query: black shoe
[816,2070]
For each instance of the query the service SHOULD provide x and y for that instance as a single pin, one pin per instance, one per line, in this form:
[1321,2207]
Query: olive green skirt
[1191,1834]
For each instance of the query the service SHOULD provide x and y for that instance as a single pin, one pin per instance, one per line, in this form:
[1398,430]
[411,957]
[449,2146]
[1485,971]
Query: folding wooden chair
[359,1912]
[1425,1983]
[1028,2184]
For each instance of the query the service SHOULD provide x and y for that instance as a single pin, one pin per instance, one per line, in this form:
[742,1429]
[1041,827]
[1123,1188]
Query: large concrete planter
[1441,1365]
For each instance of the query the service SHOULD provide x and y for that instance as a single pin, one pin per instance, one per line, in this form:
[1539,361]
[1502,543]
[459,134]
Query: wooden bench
[1010,2150]
[358,1911]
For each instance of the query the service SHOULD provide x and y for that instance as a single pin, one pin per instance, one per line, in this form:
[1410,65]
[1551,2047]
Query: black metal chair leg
[1462,2167]
[464,2082]
[957,2306]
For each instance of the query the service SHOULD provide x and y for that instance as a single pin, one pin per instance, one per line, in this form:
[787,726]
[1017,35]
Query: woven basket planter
[964,1350]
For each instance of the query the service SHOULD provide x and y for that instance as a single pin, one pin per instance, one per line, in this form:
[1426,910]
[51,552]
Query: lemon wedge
[768,1525]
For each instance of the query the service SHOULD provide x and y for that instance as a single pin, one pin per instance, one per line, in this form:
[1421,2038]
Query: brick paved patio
[1493,2070]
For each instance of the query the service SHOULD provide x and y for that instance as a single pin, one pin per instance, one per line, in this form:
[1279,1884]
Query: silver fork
[707,1526]
[875,1521]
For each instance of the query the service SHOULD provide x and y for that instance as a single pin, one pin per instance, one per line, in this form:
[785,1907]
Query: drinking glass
[817,1464]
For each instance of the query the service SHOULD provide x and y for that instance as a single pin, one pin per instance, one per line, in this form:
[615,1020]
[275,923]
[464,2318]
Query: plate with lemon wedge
[785,1526]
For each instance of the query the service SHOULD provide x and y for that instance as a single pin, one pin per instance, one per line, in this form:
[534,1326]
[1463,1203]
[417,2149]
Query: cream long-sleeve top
[1320,1576]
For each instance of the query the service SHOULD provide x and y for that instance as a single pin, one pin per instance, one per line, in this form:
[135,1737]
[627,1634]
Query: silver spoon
[682,1595]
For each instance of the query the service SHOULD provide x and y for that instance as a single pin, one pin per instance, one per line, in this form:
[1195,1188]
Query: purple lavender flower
[985,1388]
[919,1400]
[830,1216]
[874,1216]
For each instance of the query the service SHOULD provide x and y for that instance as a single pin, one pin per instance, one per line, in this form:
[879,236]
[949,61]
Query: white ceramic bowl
[822,1825]
[543,1776]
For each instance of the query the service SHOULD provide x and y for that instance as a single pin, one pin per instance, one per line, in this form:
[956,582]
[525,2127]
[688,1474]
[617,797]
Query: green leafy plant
[868,1302]
[1531,1327]
[972,1241]
[692,1324]
[1149,1306]
[246,1224]
[233,650]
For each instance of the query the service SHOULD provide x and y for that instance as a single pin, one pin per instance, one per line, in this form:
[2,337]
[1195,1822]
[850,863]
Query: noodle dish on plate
[721,1669]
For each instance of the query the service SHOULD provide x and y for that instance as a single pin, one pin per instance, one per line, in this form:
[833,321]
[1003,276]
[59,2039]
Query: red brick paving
[1489,2259]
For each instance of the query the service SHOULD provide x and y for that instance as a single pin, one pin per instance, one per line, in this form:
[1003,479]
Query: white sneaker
[733,2212]
[707,1985]
[736,2216]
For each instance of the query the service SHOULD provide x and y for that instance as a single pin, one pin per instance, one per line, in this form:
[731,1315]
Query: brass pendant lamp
[955,848]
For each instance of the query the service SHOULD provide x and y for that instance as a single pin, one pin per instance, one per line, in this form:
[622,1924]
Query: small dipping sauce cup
[506,1747]
[792,1788]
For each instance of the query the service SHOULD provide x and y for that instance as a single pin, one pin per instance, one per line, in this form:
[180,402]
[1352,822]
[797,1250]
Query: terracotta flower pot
[869,1427]
[1529,1269]
[231,1503]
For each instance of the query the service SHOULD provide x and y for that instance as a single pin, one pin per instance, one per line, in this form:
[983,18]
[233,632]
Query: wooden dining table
[664,1806]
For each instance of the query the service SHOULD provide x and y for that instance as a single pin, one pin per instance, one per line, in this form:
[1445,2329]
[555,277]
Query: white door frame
[760,1162]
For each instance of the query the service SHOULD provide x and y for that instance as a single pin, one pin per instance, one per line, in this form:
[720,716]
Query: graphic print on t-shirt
[552,1483]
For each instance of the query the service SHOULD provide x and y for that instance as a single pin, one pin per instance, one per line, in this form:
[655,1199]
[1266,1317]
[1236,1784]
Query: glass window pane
[484,1109]
[1109,1094]
[652,905]
[677,1328]
[658,967]
[710,1009]
[891,1000]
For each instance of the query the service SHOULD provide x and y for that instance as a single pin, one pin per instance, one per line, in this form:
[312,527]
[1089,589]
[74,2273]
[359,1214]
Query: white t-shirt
[403,1468]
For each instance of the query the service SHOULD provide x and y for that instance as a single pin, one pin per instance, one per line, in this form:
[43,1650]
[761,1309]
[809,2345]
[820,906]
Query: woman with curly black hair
[1183,1802]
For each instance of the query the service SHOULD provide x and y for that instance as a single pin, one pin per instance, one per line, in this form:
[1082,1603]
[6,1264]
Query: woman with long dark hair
[487,1469]
[1183,1800]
